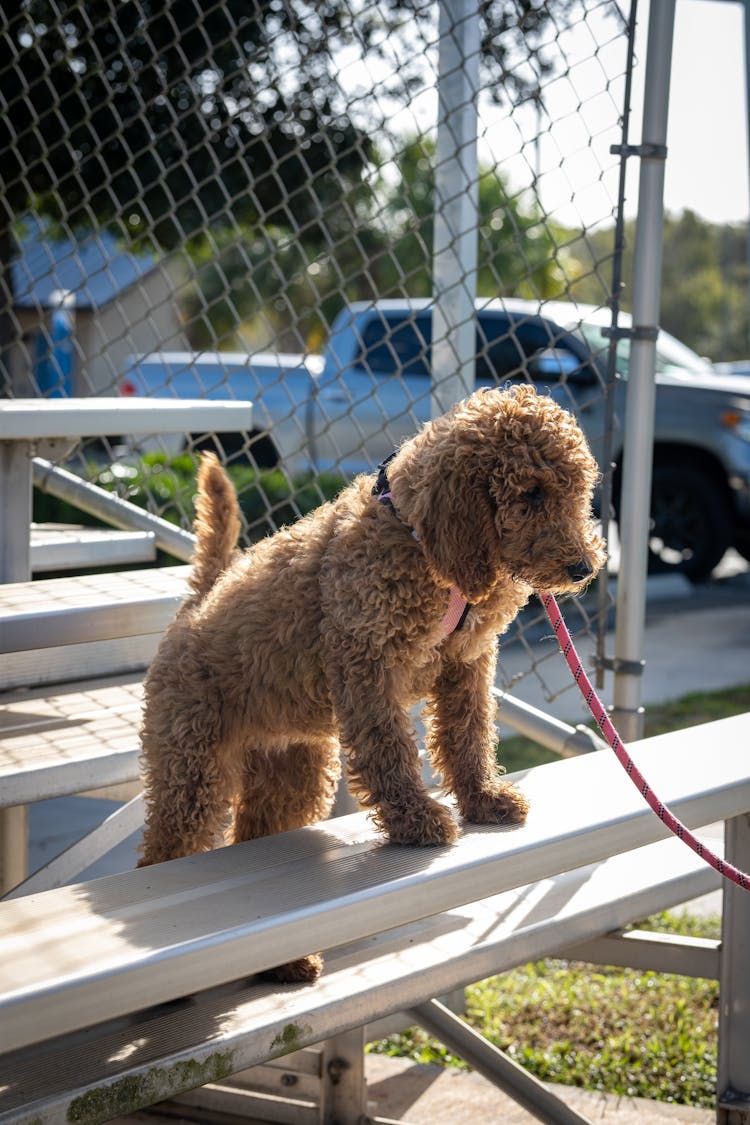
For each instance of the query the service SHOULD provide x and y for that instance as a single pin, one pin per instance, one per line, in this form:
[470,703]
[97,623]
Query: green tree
[515,249]
[385,252]
[704,292]
[177,124]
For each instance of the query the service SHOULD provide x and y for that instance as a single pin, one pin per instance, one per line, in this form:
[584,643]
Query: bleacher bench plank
[120,1066]
[33,419]
[147,936]
[89,607]
[52,668]
[57,743]
[67,547]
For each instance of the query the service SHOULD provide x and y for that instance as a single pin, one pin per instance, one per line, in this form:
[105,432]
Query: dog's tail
[217,526]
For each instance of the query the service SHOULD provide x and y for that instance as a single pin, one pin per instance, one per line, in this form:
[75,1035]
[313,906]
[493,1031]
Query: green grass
[517,753]
[619,1031]
[624,1032]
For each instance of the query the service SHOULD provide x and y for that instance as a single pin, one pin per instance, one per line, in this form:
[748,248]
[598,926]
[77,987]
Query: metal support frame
[655,952]
[456,206]
[343,1089]
[15,503]
[639,417]
[733,1078]
[75,859]
[15,566]
[120,513]
[564,739]
[495,1066]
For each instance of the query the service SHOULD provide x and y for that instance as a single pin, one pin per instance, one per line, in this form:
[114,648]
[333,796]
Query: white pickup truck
[345,410]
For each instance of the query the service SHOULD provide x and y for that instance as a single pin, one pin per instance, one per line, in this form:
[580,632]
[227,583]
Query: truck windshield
[671,355]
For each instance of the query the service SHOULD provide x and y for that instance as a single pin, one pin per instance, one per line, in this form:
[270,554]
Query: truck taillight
[127,387]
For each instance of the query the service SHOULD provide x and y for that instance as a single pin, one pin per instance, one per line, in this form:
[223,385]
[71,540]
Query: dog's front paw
[502,805]
[425,824]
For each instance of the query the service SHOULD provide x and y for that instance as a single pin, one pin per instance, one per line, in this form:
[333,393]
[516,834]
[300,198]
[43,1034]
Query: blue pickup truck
[349,407]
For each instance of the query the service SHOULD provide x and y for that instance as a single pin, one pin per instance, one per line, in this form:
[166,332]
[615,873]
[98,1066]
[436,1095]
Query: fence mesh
[236,200]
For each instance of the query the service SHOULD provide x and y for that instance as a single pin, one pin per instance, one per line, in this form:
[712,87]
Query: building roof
[95,268]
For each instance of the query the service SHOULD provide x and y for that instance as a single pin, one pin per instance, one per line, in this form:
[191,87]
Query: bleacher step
[56,743]
[83,608]
[221,915]
[69,547]
[239,1025]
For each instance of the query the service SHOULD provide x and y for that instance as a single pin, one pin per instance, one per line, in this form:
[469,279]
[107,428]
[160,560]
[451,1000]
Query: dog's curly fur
[324,634]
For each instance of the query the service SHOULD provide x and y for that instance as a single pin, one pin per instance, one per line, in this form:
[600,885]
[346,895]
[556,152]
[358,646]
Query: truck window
[503,348]
[390,345]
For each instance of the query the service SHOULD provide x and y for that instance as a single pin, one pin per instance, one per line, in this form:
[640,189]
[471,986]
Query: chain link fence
[238,200]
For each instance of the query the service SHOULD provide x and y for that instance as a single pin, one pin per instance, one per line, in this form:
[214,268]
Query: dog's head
[502,484]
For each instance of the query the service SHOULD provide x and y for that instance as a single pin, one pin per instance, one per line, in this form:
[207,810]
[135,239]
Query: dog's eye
[534,496]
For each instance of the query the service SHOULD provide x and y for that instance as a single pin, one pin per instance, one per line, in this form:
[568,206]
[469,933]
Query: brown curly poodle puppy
[323,635]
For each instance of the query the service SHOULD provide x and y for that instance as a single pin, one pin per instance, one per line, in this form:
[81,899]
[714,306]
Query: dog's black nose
[580,571]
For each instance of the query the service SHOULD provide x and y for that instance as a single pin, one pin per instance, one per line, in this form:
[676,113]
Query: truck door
[364,410]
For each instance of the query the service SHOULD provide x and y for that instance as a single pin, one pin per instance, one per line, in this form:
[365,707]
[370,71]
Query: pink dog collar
[458,607]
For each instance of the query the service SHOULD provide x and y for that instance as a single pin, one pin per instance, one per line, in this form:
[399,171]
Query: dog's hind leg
[285,788]
[189,775]
[461,741]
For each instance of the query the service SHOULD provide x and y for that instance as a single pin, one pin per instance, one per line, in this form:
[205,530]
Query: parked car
[371,388]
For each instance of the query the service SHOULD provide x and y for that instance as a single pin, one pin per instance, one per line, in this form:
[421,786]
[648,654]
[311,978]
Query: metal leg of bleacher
[343,1087]
[733,1078]
[13,846]
[320,1085]
[495,1066]
[15,502]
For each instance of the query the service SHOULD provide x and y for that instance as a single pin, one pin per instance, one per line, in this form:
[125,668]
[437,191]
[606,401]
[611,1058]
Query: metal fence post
[15,566]
[639,418]
[456,206]
[746,29]
[733,1078]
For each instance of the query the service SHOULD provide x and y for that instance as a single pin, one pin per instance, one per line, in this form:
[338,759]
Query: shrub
[165,486]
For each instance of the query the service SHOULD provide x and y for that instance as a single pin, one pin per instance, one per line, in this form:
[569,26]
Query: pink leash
[605,725]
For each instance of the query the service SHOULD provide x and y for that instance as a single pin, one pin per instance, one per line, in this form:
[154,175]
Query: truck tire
[690,526]
[742,544]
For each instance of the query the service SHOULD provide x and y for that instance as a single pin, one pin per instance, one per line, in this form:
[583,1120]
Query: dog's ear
[458,537]
[440,490]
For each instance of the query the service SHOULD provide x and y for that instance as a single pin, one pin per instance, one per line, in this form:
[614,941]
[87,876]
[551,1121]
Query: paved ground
[428,1095]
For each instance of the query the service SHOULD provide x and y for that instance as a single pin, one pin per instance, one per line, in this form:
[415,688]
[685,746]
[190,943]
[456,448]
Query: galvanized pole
[746,22]
[456,206]
[733,1073]
[639,416]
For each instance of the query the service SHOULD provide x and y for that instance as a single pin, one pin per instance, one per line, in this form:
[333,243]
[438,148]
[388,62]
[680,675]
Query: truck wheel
[690,527]
[742,544]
